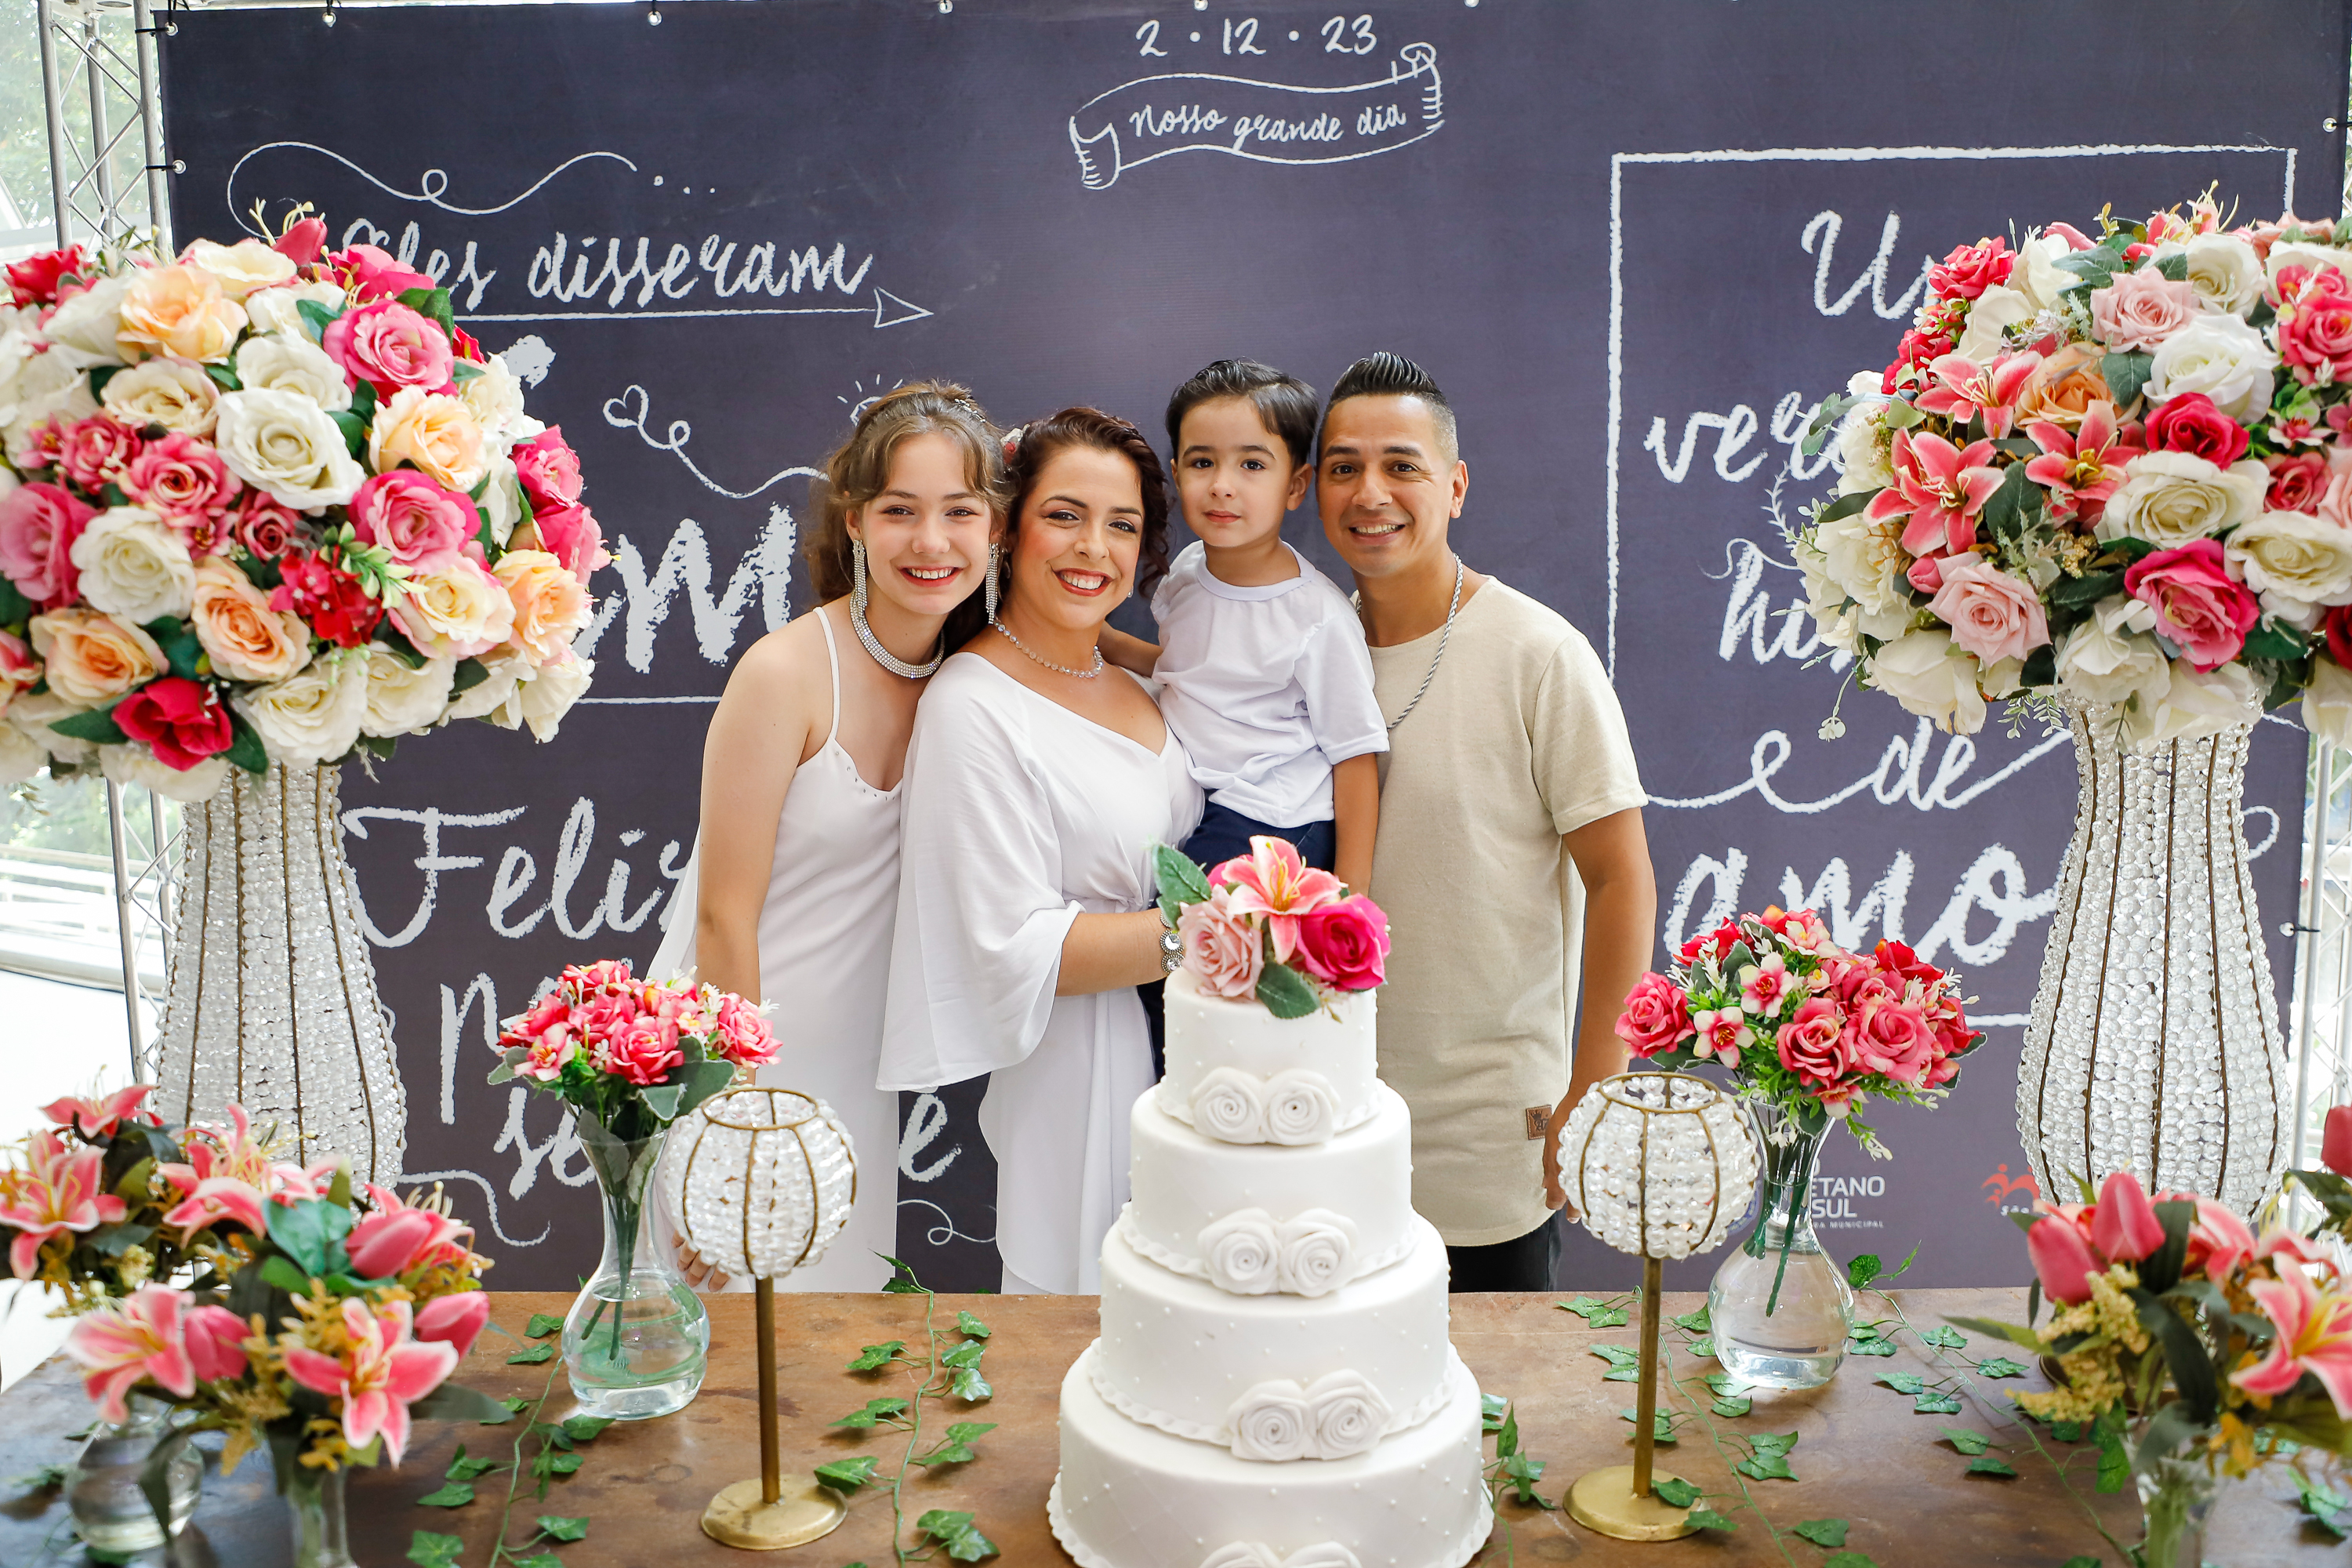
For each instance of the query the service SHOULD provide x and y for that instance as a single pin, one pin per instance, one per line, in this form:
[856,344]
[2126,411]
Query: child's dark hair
[1385,375]
[1285,403]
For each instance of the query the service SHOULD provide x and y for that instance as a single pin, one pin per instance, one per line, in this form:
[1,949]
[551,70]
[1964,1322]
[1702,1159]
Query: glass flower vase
[110,1511]
[322,1530]
[636,1339]
[2175,1494]
[1779,1308]
[2154,1045]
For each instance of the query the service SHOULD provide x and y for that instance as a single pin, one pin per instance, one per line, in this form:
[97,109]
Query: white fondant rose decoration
[1317,1252]
[1349,1414]
[1242,1252]
[1271,1422]
[1300,1107]
[1322,1554]
[1258,1554]
[1227,1106]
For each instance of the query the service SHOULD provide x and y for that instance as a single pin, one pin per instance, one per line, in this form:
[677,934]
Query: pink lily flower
[1273,881]
[2218,1240]
[1941,488]
[217,1339]
[1764,986]
[1964,389]
[1723,1033]
[381,1372]
[2315,1335]
[58,1192]
[120,1347]
[395,1239]
[2080,468]
[224,1177]
[98,1118]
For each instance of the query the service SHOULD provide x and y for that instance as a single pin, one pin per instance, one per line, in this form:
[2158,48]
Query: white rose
[135,764]
[21,756]
[279,309]
[283,443]
[1229,1105]
[313,715]
[1350,1414]
[1270,1422]
[460,613]
[495,396]
[174,393]
[2173,498]
[134,565]
[1240,1252]
[33,714]
[492,697]
[1243,1555]
[289,362]
[49,387]
[400,698]
[2305,254]
[2113,654]
[2327,708]
[501,500]
[1995,311]
[85,325]
[549,691]
[241,268]
[2292,556]
[1923,671]
[19,346]
[1318,1252]
[2194,705]
[1322,1554]
[2037,274]
[1866,559]
[1825,601]
[1300,1107]
[2220,356]
[2223,268]
[1863,450]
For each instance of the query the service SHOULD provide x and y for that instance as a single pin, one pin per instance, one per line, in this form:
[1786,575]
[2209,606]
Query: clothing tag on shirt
[1539,1121]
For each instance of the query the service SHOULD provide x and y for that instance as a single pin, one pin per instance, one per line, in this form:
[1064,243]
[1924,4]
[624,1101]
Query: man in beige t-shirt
[1510,857]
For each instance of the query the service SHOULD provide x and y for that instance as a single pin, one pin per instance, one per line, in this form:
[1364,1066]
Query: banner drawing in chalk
[1266,121]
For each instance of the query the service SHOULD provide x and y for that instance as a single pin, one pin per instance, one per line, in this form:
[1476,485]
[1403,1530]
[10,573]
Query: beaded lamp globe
[1660,1165]
[760,1184]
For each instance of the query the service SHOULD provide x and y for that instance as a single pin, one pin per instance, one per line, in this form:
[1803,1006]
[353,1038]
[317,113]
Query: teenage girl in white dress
[795,884]
[1037,782]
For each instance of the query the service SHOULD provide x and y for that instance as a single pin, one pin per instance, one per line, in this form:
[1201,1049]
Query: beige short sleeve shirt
[1519,740]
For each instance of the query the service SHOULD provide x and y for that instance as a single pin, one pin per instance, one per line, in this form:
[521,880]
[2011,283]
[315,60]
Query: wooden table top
[1861,1455]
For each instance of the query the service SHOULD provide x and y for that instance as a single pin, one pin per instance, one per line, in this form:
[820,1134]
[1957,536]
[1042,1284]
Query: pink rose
[1810,1044]
[645,1052]
[1992,614]
[2197,605]
[550,471]
[2297,481]
[2124,1225]
[1971,269]
[2187,422]
[267,528]
[1656,1017]
[1892,1036]
[2336,1142]
[605,1014]
[183,721]
[1222,947]
[40,280]
[389,346]
[374,275]
[417,522]
[94,452]
[1345,944]
[303,242]
[2139,310]
[2314,323]
[38,525]
[18,668]
[571,534]
[184,479]
[742,1035]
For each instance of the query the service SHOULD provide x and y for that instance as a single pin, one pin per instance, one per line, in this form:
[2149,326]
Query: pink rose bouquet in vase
[1807,1031]
[1269,926]
[630,1057]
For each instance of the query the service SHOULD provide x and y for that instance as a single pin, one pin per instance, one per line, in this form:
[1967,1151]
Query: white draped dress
[824,953]
[1019,817]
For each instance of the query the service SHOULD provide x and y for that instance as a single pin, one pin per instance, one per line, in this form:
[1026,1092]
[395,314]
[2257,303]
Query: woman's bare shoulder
[787,662]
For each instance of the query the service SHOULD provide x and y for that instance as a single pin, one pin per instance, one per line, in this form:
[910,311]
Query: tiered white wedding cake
[1273,1386]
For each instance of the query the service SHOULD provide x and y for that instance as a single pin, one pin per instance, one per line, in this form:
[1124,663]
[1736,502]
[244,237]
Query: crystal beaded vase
[634,1341]
[321,1529]
[2154,1045]
[110,1511]
[273,1001]
[1779,1308]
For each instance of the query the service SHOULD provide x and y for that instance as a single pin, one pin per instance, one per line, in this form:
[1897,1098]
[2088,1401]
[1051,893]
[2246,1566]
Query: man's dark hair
[1285,403]
[1386,374]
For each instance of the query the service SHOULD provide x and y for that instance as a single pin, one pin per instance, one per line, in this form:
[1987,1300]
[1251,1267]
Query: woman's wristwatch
[1171,946]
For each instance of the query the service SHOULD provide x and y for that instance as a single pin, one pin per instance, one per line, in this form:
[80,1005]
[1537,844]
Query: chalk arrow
[889,311]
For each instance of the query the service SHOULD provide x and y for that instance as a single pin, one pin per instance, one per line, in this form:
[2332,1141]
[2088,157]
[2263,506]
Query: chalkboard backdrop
[1635,243]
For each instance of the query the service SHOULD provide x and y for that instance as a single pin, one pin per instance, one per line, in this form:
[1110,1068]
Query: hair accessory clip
[1011,443]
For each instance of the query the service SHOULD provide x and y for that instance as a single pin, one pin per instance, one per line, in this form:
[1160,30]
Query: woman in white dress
[1037,783]
[794,883]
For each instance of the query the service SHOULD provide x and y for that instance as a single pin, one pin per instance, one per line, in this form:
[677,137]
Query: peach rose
[245,639]
[435,432]
[549,605]
[92,657]
[179,310]
[2064,387]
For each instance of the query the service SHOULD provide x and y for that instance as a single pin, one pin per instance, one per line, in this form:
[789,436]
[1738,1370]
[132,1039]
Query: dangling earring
[873,644]
[857,573]
[990,585]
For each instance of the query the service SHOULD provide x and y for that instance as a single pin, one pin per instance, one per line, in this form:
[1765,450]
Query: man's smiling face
[1387,484]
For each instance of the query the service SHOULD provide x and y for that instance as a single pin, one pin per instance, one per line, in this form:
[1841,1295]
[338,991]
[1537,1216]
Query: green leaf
[1846,506]
[1936,1403]
[1824,1533]
[1870,1347]
[875,1411]
[14,608]
[1986,1465]
[1765,1467]
[1707,1519]
[543,1324]
[2114,1460]
[1616,1355]
[2000,1366]
[1702,1347]
[1286,992]
[846,1475]
[428,1550]
[1847,1560]
[873,1357]
[969,1386]
[462,1468]
[354,429]
[276,1270]
[2126,374]
[315,316]
[1521,1473]
[95,724]
[966,1323]
[448,1494]
[1946,1336]
[1507,1438]
[1902,1382]
[1597,1314]
[1731,1406]
[455,1402]
[469,673]
[1899,415]
[2184,1353]
[2176,267]
[532,1356]
[2273,639]
[1491,1410]
[559,1527]
[1181,880]
[965,1354]
[946,1453]
[1773,1442]
[2326,1506]
[363,400]
[1859,1272]
[1675,1491]
[538,1560]
[558,1462]
[585,1428]
[2015,1333]
[1662,1423]
[1966,1441]
[432,304]
[953,1529]
[246,752]
[311,1233]
[2085,1561]
[1697,1322]
[2005,509]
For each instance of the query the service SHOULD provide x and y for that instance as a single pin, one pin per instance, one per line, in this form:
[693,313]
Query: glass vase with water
[1779,1308]
[636,1340]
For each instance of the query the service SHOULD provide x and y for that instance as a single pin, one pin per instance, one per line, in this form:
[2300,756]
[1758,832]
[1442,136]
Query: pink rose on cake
[1222,950]
[1345,944]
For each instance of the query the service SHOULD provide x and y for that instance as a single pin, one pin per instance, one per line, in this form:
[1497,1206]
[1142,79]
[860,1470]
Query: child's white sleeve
[1335,673]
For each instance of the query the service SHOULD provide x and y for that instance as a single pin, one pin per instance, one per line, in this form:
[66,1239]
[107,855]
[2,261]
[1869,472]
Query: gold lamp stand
[1621,1500]
[773,1511]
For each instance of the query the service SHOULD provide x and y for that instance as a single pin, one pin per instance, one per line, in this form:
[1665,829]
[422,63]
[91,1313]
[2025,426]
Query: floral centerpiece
[267,503]
[1807,1031]
[630,1057]
[1267,925]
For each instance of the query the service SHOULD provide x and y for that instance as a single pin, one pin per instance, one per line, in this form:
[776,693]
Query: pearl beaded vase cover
[2154,1044]
[272,994]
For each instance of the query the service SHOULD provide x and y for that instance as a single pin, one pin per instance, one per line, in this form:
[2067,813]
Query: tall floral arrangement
[1269,926]
[264,502]
[2110,469]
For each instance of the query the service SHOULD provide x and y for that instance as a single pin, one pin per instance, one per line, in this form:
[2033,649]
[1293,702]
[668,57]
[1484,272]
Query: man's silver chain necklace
[1435,658]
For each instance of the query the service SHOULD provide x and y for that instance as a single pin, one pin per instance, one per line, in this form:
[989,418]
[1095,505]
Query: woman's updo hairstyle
[860,467]
[1028,449]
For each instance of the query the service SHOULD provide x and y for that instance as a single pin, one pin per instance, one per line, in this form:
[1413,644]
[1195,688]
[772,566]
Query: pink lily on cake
[1273,881]
[1269,926]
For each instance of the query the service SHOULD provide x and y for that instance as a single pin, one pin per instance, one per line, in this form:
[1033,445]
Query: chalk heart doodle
[1155,117]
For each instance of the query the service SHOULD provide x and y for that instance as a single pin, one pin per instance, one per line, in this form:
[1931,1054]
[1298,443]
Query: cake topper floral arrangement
[1268,925]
